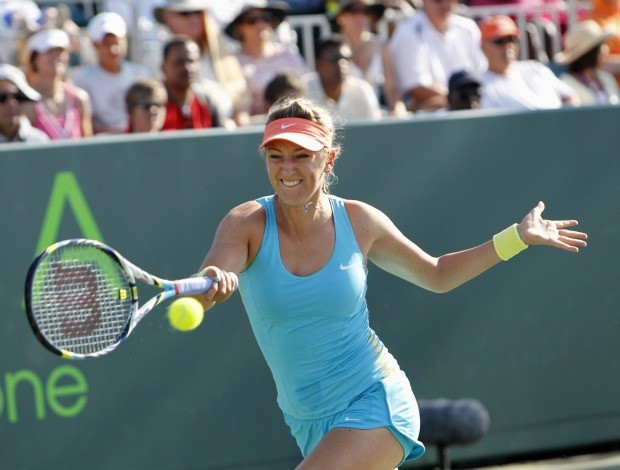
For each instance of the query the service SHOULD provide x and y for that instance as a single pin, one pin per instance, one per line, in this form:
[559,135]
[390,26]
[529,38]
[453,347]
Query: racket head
[80,298]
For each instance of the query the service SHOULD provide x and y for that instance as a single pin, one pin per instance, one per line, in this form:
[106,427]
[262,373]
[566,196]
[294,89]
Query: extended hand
[534,230]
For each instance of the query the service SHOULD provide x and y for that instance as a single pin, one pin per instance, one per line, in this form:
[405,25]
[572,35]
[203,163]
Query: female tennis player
[302,256]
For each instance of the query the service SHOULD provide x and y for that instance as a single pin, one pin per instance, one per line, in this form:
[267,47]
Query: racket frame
[189,286]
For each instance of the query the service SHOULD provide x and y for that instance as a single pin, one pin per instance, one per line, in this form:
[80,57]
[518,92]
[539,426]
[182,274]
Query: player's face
[296,173]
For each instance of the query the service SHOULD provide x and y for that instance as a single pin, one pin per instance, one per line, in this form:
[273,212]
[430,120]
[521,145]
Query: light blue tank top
[313,330]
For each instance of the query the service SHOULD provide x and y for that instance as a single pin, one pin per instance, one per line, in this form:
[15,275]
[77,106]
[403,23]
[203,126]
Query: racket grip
[198,285]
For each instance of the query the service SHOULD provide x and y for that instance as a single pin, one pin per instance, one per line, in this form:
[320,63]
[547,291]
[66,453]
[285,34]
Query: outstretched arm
[392,251]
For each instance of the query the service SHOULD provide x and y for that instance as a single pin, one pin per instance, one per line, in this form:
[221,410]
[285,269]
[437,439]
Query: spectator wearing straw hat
[607,14]
[107,81]
[14,90]
[583,55]
[260,55]
[513,84]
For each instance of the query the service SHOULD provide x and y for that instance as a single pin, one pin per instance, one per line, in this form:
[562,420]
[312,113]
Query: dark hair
[335,40]
[176,41]
[587,61]
[142,89]
[283,84]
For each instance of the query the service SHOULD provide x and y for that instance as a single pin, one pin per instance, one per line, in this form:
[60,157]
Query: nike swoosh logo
[284,126]
[350,419]
[348,266]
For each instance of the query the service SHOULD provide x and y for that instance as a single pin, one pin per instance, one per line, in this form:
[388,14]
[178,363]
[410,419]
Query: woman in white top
[260,55]
[583,55]
[371,60]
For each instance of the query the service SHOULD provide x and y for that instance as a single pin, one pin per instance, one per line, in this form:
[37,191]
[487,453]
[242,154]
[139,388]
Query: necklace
[304,208]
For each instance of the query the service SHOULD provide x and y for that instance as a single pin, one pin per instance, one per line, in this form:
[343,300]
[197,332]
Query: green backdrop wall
[535,339]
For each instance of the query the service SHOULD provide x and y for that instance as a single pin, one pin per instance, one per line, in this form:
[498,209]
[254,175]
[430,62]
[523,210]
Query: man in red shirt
[188,106]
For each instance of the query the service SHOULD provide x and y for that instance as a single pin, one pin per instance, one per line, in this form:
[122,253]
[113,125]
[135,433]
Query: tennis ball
[185,314]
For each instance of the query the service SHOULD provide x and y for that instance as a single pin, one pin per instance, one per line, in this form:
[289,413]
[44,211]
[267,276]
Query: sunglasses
[150,104]
[265,17]
[6,96]
[335,58]
[505,40]
[189,13]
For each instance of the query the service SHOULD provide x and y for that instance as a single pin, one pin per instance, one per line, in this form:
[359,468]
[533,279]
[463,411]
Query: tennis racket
[82,297]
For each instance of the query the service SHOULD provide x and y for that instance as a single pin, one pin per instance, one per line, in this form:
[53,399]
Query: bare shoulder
[367,221]
[246,220]
[360,211]
[249,214]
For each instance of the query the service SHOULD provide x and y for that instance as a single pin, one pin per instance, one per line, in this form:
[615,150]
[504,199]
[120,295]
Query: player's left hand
[534,230]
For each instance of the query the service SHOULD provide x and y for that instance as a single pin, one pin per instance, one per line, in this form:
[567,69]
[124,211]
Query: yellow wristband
[508,243]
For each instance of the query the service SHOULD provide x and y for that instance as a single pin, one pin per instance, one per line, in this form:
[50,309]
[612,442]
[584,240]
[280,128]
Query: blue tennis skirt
[388,403]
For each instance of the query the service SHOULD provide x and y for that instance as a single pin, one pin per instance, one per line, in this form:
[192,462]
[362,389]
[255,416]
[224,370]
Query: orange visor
[305,133]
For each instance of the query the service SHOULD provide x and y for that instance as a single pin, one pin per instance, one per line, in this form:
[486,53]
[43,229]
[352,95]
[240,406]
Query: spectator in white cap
[64,111]
[108,80]
[14,90]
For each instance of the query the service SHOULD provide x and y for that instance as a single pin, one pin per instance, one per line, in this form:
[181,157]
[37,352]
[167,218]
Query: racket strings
[83,303]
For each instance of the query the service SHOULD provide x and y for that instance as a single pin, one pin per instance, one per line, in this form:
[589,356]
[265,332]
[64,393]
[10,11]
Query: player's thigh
[347,448]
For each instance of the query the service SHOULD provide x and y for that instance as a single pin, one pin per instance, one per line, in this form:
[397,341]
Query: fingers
[224,283]
[565,223]
[573,238]
[539,208]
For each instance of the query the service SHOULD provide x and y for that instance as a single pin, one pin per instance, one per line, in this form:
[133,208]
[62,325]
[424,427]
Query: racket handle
[198,285]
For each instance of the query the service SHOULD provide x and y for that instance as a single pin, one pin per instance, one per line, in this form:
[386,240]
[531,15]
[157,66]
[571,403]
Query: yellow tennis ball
[185,313]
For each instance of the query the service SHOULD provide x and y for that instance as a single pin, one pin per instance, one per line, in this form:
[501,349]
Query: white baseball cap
[47,39]
[106,23]
[17,77]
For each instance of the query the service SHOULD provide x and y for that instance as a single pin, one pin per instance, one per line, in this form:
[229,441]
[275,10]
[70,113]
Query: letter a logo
[66,190]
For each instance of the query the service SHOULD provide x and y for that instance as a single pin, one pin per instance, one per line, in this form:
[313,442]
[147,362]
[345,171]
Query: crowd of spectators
[204,63]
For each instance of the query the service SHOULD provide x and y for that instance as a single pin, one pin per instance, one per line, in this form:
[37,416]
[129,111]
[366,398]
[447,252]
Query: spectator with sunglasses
[260,55]
[146,101]
[349,98]
[513,84]
[14,90]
